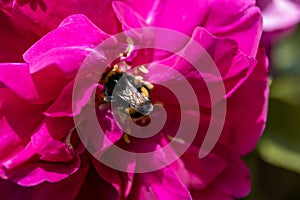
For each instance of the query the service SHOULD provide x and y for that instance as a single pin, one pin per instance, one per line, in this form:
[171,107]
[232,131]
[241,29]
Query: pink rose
[41,148]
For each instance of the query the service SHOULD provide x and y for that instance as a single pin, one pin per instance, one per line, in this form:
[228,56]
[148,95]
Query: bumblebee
[130,94]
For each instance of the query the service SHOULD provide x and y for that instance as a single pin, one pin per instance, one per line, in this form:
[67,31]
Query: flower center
[129,93]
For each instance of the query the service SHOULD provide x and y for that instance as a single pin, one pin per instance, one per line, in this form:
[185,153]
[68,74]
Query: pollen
[68,139]
[143,69]
[175,139]
[145,91]
[130,110]
[126,138]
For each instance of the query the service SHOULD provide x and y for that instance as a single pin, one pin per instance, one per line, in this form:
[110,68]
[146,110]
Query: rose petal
[49,148]
[156,185]
[72,32]
[21,157]
[65,189]
[249,101]
[14,42]
[196,173]
[11,143]
[41,17]
[34,173]
[16,76]
[24,167]
[212,192]
[162,13]
[237,19]
[62,107]
[120,180]
[70,103]
[228,68]
[235,180]
[94,187]
[127,16]
[12,191]
[18,121]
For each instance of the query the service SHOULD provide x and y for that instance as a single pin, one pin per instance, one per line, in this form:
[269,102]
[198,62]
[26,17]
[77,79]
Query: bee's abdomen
[111,83]
[130,95]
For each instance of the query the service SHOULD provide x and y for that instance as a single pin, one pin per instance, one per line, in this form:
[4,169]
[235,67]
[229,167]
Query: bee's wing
[127,93]
[131,95]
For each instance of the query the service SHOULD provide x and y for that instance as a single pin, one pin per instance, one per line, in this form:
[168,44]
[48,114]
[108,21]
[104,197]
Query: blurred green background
[275,163]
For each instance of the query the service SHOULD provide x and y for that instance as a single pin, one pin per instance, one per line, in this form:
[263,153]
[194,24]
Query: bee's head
[145,108]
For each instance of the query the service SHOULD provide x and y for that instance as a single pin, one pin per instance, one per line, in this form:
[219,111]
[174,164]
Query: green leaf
[279,155]
[285,54]
[280,145]
[286,88]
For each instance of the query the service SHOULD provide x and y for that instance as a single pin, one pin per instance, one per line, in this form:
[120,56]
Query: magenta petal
[25,169]
[72,32]
[110,127]
[101,137]
[56,80]
[62,107]
[14,42]
[236,179]
[196,173]
[119,180]
[237,19]
[65,59]
[253,108]
[94,187]
[159,184]
[60,54]
[65,189]
[212,192]
[60,66]
[18,120]
[163,13]
[234,67]
[16,76]
[33,173]
[12,191]
[21,157]
[50,149]
[41,17]
[10,143]
[70,103]
[127,16]
[58,127]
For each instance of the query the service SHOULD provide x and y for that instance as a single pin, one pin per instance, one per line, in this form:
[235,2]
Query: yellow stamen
[175,139]
[116,67]
[143,69]
[145,91]
[126,138]
[129,110]
[149,86]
